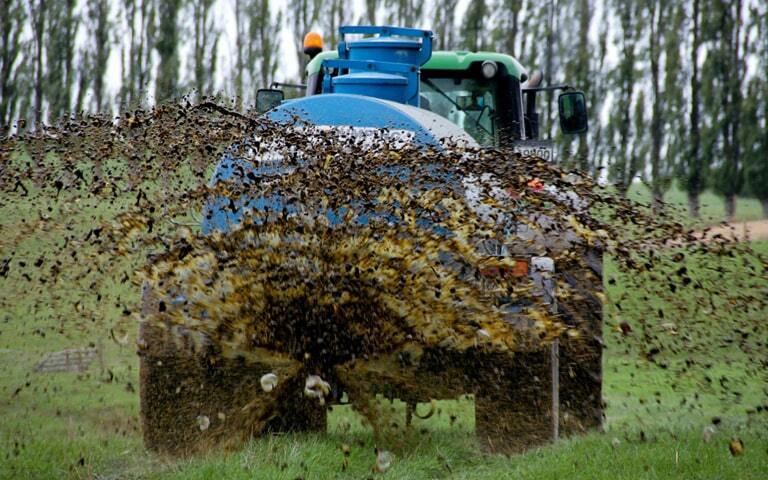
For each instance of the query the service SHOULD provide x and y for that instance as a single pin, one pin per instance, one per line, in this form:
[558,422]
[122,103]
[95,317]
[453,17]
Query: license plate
[535,148]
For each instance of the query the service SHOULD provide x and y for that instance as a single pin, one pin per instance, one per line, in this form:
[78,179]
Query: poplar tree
[302,15]
[25,88]
[507,26]
[580,58]
[580,69]
[673,100]
[60,75]
[728,69]
[335,13]
[754,136]
[474,28]
[167,49]
[622,131]
[371,12]
[405,13]
[99,27]
[599,86]
[692,166]
[205,49]
[12,19]
[444,13]
[85,71]
[529,31]
[263,43]
[136,56]
[658,13]
[38,13]
[548,20]
[241,24]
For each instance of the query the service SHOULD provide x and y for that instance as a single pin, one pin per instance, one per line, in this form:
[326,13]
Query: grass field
[86,425]
[712,210]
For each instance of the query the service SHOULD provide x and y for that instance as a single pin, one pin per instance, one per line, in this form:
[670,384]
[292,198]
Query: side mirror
[268,98]
[573,112]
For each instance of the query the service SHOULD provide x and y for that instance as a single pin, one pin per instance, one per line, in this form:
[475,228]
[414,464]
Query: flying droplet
[316,387]
[203,422]
[483,335]
[383,460]
[736,446]
[268,382]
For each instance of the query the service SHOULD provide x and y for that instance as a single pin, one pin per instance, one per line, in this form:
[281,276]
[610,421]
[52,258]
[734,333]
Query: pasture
[85,425]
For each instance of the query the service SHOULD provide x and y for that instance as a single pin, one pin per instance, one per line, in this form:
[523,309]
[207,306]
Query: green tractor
[489,95]
[522,398]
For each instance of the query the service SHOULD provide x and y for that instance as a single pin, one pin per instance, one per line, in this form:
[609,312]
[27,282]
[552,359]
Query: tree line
[677,90]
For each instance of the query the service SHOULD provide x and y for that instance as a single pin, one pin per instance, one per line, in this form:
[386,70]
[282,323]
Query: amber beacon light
[313,44]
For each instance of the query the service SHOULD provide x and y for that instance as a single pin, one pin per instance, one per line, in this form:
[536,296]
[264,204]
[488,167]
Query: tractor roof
[441,60]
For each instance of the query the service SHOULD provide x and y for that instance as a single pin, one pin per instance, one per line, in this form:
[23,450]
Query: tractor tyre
[513,410]
[581,403]
[192,399]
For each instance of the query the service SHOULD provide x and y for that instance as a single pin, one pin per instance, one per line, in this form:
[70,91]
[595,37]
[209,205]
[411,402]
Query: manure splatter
[373,266]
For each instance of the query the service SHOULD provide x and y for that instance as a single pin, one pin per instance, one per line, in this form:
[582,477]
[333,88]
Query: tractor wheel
[581,404]
[192,399]
[512,411]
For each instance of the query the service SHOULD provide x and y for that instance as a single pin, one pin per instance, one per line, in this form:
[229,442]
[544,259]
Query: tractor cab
[486,94]
[480,92]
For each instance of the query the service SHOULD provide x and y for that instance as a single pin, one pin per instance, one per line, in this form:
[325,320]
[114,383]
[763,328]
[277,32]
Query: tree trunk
[82,86]
[622,170]
[370,11]
[167,49]
[730,207]
[694,205]
[548,62]
[239,55]
[656,120]
[71,22]
[583,53]
[622,188]
[10,48]
[695,160]
[657,195]
[39,23]
[101,37]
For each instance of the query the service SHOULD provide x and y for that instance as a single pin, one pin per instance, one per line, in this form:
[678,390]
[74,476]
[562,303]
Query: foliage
[167,48]
[13,18]
[262,40]
[205,51]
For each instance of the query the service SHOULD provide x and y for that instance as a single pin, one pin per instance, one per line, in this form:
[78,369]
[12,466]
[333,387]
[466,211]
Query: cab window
[467,102]
[488,109]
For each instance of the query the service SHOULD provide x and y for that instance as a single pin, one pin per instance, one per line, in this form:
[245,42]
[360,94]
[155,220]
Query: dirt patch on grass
[739,231]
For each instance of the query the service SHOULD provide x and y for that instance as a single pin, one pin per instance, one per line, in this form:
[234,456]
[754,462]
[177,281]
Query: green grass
[86,425]
[712,207]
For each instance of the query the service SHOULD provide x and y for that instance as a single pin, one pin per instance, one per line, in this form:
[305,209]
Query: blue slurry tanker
[392,80]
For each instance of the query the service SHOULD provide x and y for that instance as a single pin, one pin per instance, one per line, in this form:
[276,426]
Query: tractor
[390,79]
